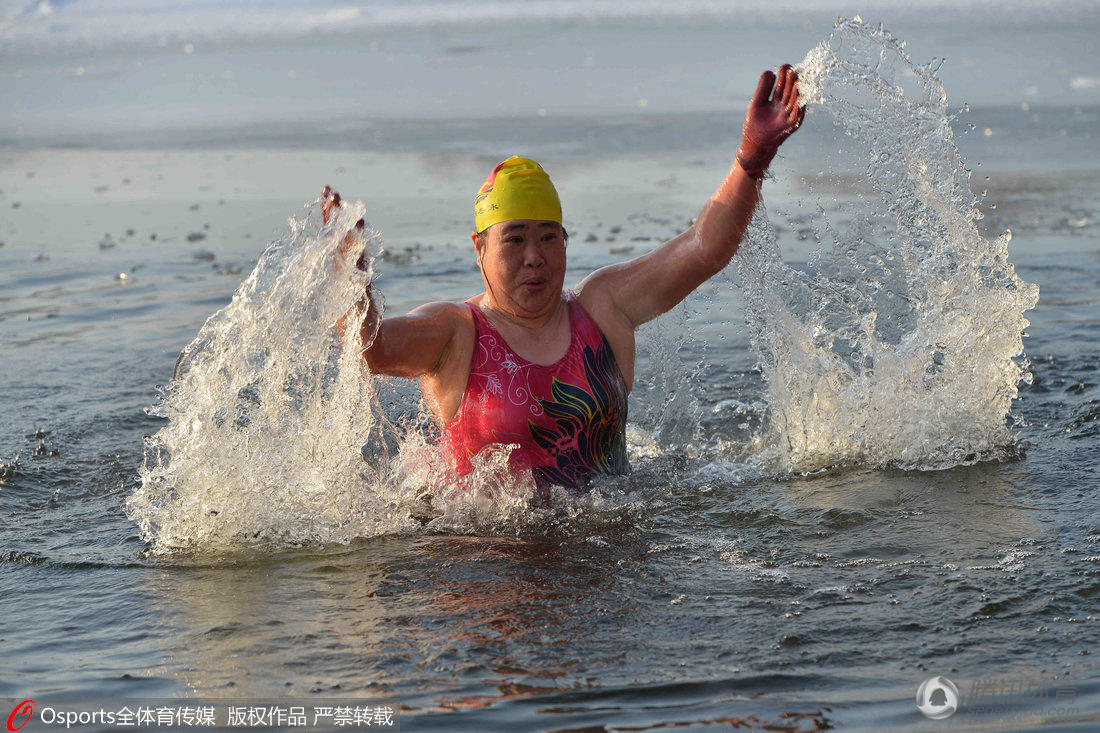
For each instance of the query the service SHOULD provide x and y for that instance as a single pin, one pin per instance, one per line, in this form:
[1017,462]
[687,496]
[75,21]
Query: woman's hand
[331,200]
[771,119]
[364,311]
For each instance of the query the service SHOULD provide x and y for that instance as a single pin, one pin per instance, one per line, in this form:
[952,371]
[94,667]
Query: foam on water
[899,346]
[901,343]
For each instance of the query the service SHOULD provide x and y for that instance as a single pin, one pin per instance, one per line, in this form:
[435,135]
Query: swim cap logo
[937,698]
[24,708]
[487,186]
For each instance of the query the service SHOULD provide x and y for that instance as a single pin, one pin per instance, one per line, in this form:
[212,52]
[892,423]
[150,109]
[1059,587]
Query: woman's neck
[533,325]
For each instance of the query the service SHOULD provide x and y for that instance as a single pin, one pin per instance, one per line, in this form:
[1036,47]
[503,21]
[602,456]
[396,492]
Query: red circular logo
[27,707]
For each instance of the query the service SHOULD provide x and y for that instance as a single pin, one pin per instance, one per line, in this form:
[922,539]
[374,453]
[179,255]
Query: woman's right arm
[407,346]
[412,345]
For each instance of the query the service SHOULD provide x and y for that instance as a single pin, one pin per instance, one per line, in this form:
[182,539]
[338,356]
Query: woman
[548,371]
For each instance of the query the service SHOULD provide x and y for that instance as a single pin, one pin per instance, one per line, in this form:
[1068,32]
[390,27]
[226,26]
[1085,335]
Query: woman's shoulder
[597,306]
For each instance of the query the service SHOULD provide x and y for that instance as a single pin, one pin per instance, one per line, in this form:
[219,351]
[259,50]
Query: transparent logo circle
[937,698]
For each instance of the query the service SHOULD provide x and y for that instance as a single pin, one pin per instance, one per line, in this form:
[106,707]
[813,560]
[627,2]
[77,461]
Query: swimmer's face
[523,265]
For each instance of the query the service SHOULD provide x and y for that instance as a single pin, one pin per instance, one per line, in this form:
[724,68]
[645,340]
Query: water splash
[901,345]
[269,409]
[664,414]
[276,435]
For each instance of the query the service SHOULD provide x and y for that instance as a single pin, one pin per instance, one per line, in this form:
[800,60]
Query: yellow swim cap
[518,188]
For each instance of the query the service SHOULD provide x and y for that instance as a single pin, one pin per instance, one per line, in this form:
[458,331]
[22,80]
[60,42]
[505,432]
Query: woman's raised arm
[647,286]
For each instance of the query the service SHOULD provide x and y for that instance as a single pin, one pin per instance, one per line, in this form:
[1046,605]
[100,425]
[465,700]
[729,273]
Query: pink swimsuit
[568,418]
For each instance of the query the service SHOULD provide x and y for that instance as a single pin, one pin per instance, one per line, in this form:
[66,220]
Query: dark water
[801,602]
